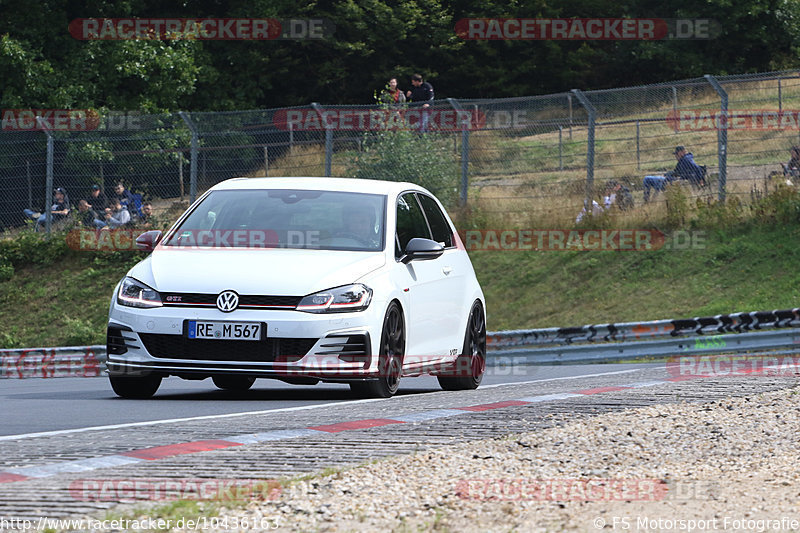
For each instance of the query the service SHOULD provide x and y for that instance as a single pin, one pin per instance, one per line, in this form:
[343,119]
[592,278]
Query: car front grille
[246,301]
[272,349]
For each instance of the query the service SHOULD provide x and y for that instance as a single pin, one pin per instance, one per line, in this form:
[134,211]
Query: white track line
[268,411]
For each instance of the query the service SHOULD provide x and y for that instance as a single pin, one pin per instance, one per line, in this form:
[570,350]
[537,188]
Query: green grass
[65,301]
[750,269]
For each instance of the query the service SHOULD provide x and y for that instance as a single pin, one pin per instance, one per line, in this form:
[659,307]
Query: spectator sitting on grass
[686,169]
[597,210]
[97,199]
[117,217]
[125,197]
[86,215]
[792,168]
[59,210]
[148,219]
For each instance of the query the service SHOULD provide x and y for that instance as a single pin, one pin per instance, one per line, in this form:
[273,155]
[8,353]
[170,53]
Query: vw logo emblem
[227,301]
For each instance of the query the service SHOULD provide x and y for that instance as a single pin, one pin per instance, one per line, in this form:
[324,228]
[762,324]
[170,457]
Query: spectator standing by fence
[421,96]
[392,95]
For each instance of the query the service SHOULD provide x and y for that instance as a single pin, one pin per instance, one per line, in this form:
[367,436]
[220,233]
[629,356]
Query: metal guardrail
[732,333]
[735,332]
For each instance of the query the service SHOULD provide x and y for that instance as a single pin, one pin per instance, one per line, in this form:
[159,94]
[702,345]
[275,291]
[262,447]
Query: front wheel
[390,362]
[471,364]
[135,387]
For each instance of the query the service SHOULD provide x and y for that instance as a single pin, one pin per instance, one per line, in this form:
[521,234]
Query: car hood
[279,272]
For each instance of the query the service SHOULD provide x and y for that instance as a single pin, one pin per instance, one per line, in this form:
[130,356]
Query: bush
[780,206]
[28,247]
[409,156]
[81,332]
[677,205]
[6,270]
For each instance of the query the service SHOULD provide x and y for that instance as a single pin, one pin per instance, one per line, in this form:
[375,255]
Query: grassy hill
[54,296]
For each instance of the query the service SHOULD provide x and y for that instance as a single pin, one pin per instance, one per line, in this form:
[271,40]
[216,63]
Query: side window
[438,223]
[410,222]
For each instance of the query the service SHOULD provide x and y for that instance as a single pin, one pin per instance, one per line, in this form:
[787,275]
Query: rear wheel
[234,383]
[390,361]
[135,387]
[471,364]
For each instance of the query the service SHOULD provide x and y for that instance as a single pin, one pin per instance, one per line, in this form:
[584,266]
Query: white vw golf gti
[302,280]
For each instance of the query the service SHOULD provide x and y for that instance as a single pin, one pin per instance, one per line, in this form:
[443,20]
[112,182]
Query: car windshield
[284,218]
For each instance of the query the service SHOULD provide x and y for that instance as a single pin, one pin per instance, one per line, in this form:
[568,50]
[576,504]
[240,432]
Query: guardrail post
[592,112]
[462,197]
[193,157]
[328,138]
[722,135]
[48,193]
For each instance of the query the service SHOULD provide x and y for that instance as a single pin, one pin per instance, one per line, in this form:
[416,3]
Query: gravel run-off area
[729,465]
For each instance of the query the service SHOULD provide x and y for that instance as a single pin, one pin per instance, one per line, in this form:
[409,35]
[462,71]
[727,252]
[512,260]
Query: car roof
[325,184]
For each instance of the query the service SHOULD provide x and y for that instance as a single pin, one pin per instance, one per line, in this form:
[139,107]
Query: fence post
[675,105]
[780,98]
[48,192]
[192,158]
[266,161]
[560,148]
[328,138]
[722,135]
[638,159]
[291,137]
[30,192]
[569,101]
[180,173]
[462,118]
[592,112]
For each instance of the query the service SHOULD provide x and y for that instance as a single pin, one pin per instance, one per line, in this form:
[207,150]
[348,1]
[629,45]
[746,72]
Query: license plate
[239,331]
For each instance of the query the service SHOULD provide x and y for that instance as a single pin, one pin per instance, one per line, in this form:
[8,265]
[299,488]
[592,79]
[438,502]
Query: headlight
[344,299]
[133,293]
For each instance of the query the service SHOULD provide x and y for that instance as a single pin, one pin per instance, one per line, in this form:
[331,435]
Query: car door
[452,289]
[422,281]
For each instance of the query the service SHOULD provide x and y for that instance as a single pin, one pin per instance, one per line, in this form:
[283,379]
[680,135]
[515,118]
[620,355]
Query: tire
[390,361]
[471,364]
[135,388]
[233,383]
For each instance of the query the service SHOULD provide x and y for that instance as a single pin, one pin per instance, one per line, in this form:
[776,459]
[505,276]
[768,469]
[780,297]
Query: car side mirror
[419,249]
[148,240]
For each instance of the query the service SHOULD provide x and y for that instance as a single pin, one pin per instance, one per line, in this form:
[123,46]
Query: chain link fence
[528,160]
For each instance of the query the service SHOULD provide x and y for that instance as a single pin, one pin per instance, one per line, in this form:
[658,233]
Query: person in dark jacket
[686,169]
[125,198]
[421,96]
[792,168]
[86,215]
[97,199]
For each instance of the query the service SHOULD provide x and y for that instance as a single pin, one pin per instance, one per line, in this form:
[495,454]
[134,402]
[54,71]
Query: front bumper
[298,346]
